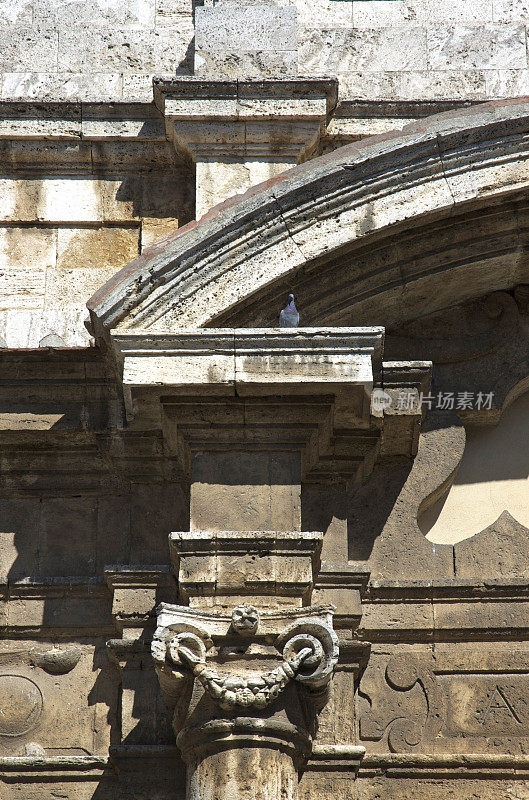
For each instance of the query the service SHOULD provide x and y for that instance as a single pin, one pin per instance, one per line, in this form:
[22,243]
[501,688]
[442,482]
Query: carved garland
[309,649]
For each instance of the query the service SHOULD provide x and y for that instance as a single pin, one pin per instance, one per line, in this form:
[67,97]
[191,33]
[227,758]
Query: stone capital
[245,683]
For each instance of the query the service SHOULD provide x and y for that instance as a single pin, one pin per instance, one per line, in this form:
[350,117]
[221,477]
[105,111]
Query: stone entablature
[272,565]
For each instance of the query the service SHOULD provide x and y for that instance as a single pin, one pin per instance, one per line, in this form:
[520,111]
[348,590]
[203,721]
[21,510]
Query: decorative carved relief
[408,709]
[56,660]
[20,704]
[309,649]
[245,620]
[467,700]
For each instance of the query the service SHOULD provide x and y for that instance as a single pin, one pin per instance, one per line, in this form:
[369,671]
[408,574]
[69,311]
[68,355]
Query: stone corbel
[242,131]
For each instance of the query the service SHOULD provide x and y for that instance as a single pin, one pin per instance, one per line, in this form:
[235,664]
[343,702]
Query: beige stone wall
[72,213]
[411,49]
[397,49]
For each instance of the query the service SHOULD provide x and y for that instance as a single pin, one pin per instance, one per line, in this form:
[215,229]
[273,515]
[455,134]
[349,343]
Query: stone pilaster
[252,418]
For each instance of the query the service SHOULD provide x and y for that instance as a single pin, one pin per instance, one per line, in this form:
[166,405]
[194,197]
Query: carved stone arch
[382,230]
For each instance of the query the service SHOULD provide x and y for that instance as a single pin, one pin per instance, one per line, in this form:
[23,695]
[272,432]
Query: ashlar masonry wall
[391,49]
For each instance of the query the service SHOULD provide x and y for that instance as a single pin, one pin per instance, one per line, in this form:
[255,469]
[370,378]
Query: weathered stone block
[233,65]
[26,85]
[68,537]
[231,27]
[28,248]
[25,256]
[154,511]
[17,12]
[263,492]
[70,286]
[137,88]
[506,82]
[410,84]
[22,288]
[97,249]
[340,51]
[114,13]
[23,328]
[510,11]
[387,13]
[336,13]
[217,180]
[250,39]
[466,47]
[153,229]
[125,50]
[19,537]
[28,48]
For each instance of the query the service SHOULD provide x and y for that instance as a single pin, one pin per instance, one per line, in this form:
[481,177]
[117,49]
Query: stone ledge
[335,757]
[299,88]
[235,361]
[471,765]
[76,121]
[52,768]
[454,589]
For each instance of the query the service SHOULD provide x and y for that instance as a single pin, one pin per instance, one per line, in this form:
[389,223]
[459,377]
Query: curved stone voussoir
[316,216]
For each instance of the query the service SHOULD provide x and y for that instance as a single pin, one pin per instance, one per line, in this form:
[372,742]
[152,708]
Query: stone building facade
[238,561]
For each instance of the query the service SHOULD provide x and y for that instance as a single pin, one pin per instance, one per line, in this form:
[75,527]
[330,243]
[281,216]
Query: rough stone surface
[407,49]
[288,471]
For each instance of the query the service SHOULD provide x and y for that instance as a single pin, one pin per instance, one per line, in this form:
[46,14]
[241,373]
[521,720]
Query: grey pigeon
[289,316]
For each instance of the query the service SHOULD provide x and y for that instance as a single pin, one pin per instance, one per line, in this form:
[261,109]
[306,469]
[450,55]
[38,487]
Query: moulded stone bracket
[243,131]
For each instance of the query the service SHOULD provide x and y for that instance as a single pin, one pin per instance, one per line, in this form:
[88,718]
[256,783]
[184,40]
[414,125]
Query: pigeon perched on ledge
[289,316]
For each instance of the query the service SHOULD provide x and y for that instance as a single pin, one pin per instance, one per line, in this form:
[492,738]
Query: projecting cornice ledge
[232,266]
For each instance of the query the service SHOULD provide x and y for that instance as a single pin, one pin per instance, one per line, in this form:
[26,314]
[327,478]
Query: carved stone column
[246,680]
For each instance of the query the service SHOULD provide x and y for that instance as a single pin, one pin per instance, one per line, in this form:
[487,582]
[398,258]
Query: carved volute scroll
[260,682]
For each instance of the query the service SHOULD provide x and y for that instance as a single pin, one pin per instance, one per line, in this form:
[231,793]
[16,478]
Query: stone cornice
[225,361]
[287,90]
[305,389]
[80,121]
[36,769]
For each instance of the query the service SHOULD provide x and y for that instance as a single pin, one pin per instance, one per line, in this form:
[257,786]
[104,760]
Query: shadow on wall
[64,537]
[372,505]
[493,478]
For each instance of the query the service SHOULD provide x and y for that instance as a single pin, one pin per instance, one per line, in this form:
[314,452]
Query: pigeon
[289,316]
